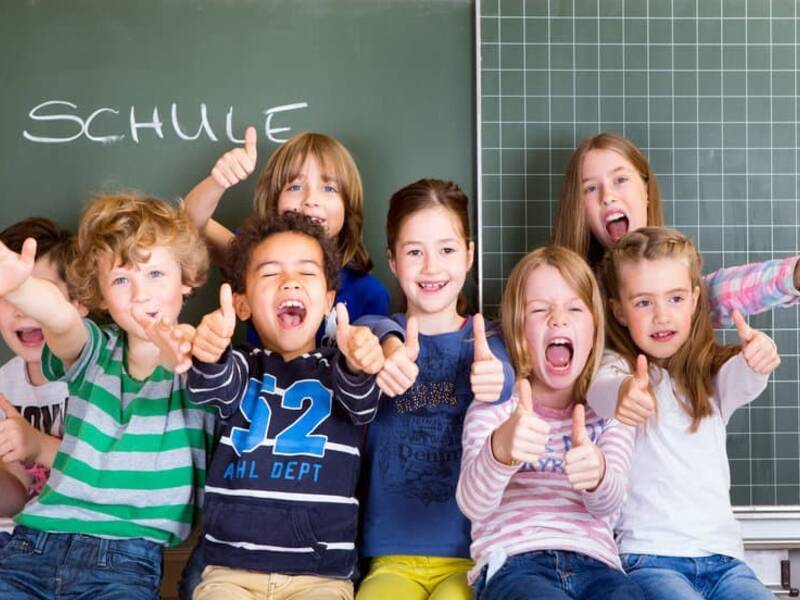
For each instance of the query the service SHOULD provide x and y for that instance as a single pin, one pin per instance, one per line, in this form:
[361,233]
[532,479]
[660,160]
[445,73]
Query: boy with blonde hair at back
[124,481]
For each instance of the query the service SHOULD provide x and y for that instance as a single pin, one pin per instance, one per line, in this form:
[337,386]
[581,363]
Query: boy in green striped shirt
[125,480]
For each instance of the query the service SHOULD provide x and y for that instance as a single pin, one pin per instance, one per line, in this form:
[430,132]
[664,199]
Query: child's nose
[311,198]
[290,283]
[558,318]
[140,292]
[607,196]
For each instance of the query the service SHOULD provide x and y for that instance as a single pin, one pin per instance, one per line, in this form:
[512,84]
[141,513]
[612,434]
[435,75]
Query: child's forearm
[61,322]
[200,205]
[13,492]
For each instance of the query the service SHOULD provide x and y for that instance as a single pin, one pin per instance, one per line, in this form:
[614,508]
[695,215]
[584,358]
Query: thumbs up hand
[486,376]
[358,344]
[213,335]
[523,437]
[15,268]
[759,351]
[19,440]
[635,401]
[238,164]
[400,368]
[584,463]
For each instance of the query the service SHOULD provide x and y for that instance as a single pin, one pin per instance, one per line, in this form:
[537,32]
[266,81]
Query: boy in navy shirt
[280,509]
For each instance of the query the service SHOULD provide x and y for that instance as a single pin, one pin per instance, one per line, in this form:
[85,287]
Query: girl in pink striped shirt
[542,476]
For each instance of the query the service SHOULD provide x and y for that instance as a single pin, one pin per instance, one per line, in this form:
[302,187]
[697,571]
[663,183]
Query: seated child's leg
[529,575]
[591,579]
[4,537]
[454,586]
[87,566]
[309,587]
[393,577]
[736,581]
[222,583]
[662,577]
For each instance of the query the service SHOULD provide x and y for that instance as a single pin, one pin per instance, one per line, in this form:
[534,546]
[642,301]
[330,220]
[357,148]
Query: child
[313,174]
[413,530]
[33,407]
[288,460]
[677,533]
[124,479]
[542,480]
[610,189]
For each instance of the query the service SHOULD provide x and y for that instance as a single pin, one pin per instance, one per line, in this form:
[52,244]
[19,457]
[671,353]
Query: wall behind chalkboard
[101,95]
[708,89]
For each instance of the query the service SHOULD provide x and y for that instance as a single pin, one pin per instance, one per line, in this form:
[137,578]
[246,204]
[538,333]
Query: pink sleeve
[482,480]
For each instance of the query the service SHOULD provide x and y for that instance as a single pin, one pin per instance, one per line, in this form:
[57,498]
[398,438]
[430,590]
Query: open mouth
[616,225]
[558,354]
[30,336]
[291,313]
[318,220]
[663,336]
[431,286]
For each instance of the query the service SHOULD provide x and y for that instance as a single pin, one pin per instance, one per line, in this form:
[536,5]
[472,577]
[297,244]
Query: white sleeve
[603,392]
[736,385]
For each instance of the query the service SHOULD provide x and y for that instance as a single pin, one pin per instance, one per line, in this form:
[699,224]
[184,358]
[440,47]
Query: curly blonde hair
[126,225]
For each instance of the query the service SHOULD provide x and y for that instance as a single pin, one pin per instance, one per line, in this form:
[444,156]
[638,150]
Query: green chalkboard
[81,81]
[709,91]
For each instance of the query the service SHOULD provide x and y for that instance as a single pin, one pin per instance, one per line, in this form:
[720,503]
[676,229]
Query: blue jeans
[4,537]
[36,564]
[715,577]
[556,575]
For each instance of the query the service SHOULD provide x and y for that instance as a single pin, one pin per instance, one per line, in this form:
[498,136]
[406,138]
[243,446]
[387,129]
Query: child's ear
[242,307]
[616,309]
[390,259]
[470,254]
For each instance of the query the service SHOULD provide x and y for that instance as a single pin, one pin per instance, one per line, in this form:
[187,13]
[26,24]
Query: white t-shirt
[43,406]
[678,502]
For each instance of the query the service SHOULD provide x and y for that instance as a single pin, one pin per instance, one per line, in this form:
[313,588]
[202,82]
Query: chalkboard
[709,91]
[103,95]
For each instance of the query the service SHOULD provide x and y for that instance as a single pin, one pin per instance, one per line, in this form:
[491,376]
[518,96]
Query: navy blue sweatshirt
[280,491]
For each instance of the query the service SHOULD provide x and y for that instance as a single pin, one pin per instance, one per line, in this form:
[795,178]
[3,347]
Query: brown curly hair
[257,228]
[126,225]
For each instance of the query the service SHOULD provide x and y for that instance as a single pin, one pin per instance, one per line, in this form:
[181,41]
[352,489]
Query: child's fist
[635,402]
[523,437]
[486,375]
[19,440]
[400,368]
[238,164]
[213,335]
[584,463]
[759,351]
[360,346]
[174,341]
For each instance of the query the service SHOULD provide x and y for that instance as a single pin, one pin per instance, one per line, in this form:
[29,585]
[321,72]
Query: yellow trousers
[399,577]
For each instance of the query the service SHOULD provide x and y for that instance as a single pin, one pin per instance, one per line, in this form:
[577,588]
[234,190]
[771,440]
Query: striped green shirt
[133,458]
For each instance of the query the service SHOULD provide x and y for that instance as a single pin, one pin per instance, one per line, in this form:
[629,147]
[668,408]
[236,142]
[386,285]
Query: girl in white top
[666,373]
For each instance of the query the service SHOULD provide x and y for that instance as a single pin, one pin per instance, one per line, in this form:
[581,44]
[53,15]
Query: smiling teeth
[291,304]
[432,286]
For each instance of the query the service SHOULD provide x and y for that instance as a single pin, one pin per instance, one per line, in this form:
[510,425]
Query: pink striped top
[523,508]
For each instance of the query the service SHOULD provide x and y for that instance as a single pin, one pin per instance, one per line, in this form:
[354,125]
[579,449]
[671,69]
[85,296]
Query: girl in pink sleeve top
[542,477]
